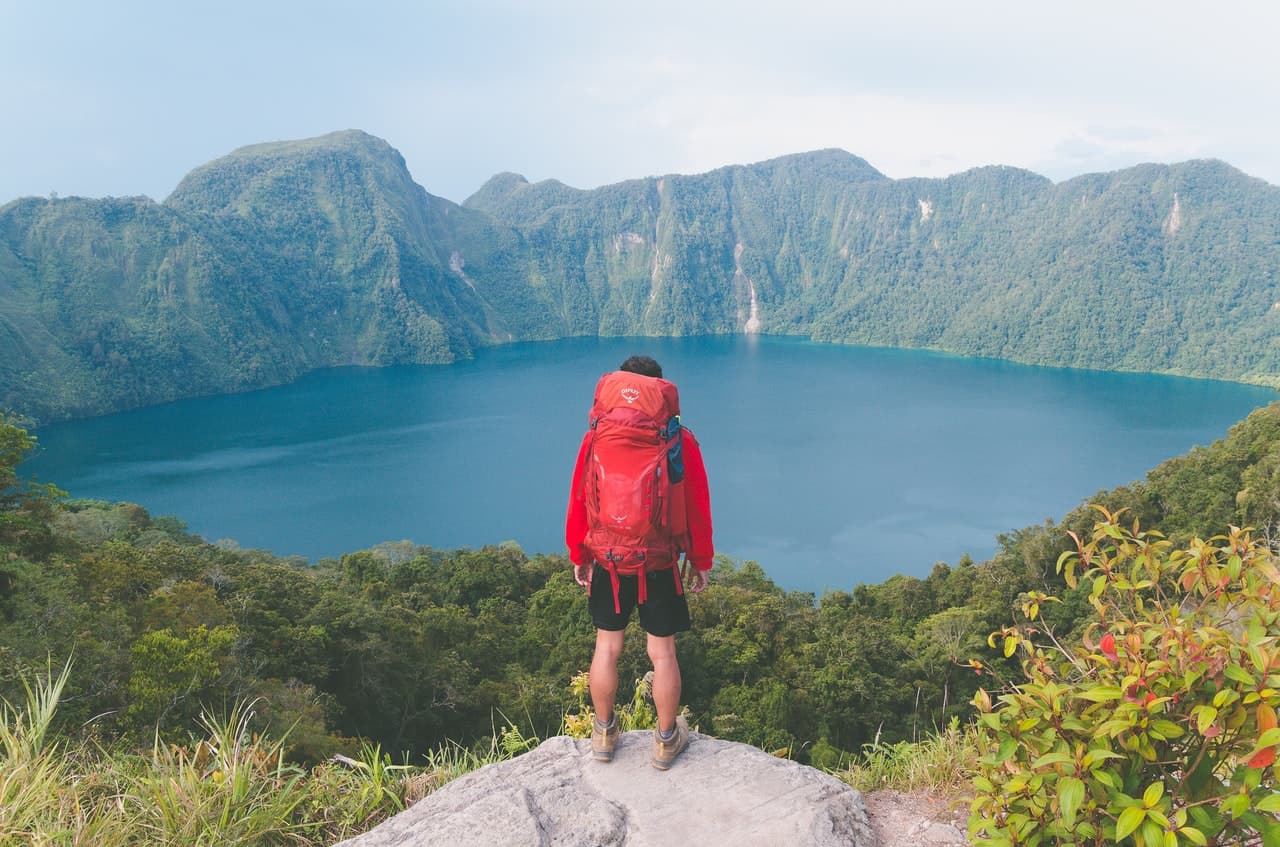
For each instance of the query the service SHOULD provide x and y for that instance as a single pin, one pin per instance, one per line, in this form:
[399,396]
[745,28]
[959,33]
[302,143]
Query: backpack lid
[654,396]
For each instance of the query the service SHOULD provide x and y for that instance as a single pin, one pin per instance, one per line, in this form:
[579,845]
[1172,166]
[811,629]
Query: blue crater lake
[829,465]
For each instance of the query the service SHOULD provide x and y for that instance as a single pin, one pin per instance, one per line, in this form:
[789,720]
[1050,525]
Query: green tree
[175,675]
[26,507]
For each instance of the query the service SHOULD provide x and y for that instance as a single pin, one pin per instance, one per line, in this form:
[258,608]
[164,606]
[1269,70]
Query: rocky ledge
[717,793]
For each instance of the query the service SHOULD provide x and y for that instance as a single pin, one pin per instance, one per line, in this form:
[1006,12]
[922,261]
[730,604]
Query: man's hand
[697,580]
[582,575]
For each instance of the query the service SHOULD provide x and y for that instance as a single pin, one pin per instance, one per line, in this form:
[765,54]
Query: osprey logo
[630,395]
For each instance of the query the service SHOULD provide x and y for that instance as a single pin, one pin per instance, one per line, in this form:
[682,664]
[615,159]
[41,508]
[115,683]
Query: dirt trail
[914,819]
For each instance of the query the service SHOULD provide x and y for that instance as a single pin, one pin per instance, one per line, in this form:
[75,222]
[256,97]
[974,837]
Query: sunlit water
[829,465]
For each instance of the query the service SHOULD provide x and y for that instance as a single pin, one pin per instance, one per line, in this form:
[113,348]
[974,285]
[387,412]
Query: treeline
[409,646]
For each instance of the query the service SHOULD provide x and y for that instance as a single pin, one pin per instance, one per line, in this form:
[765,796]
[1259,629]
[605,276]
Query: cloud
[669,113]
[591,93]
[903,136]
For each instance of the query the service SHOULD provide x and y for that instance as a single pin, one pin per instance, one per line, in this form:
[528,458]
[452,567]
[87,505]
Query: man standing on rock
[639,501]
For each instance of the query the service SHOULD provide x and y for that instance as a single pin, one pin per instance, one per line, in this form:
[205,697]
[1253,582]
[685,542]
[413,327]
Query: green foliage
[224,784]
[32,769]
[26,507]
[416,650]
[1231,482]
[1160,728]
[638,713]
[228,788]
[173,674]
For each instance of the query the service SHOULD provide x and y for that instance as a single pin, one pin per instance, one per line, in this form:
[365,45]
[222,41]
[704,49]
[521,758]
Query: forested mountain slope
[272,261]
[1155,268]
[409,646]
[284,257]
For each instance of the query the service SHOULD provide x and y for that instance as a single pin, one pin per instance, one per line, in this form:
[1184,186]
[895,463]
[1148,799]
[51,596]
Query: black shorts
[663,613]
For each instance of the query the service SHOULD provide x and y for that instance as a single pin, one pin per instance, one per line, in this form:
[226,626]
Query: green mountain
[1156,268]
[262,265]
[281,258]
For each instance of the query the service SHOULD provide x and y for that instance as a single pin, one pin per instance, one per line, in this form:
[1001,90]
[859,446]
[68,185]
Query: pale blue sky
[125,97]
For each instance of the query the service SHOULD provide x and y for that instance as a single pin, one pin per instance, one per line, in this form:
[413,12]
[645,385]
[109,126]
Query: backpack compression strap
[642,583]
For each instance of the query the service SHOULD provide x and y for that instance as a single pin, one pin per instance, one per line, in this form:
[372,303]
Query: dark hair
[643,365]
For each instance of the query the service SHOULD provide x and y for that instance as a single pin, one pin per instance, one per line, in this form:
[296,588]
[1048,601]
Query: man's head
[643,365]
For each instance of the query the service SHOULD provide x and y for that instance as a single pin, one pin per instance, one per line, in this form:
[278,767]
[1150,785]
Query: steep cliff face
[368,260]
[679,255]
[121,302]
[1158,268]
[269,262]
[284,257]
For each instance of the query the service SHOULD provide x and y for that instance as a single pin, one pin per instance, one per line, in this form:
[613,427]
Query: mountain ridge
[283,257]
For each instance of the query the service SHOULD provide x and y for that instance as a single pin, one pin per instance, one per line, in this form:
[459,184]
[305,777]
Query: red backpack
[633,477]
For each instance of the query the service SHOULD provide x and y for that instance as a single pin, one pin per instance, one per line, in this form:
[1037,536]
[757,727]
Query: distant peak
[996,174]
[1202,171]
[496,189]
[505,181]
[343,140]
[825,155]
[1212,167]
[219,182]
[831,161]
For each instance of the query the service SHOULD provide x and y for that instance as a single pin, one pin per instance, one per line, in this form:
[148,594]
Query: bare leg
[604,672]
[666,679]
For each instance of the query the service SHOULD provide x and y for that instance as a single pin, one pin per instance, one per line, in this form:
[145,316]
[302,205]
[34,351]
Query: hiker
[639,500]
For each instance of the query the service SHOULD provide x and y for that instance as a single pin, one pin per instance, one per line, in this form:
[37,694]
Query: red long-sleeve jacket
[697,506]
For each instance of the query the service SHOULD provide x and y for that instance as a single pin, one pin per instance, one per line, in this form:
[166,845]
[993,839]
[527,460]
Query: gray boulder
[717,793]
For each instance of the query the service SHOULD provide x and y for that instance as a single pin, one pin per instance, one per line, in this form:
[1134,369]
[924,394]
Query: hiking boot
[666,751]
[604,739]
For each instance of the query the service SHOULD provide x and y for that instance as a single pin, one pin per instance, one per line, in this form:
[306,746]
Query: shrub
[1160,728]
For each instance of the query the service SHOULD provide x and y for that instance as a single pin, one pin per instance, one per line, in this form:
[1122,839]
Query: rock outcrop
[717,793]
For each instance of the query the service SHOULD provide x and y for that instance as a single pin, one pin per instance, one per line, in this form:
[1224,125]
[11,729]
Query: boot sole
[665,764]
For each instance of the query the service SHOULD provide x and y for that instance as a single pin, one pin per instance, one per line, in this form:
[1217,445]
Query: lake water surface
[829,465]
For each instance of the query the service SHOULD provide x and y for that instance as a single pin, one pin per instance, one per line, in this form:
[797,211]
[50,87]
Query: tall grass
[225,785]
[940,764]
[230,787]
[32,767]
